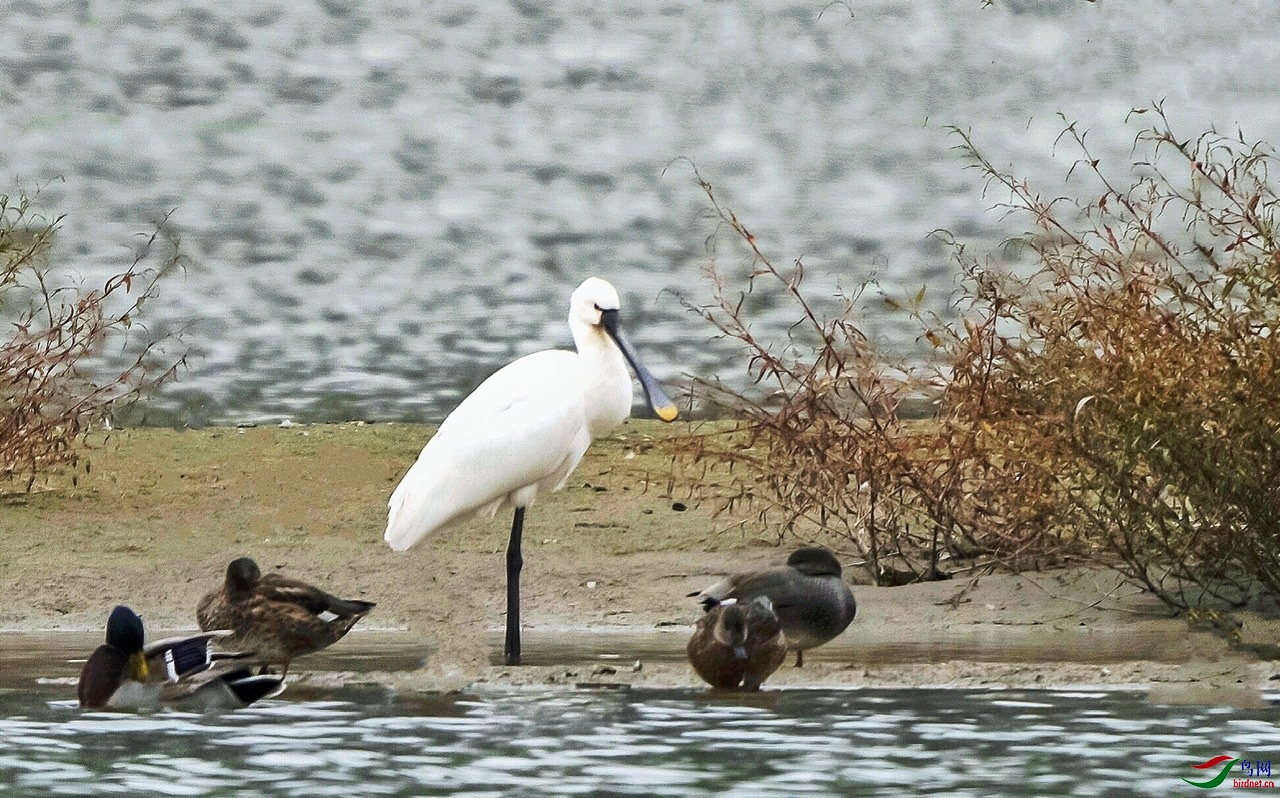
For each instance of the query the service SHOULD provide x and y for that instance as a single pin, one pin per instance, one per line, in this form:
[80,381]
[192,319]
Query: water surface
[365,738]
[368,741]
[384,201]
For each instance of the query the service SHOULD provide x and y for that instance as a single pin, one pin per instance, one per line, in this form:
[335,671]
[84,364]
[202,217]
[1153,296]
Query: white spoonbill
[522,432]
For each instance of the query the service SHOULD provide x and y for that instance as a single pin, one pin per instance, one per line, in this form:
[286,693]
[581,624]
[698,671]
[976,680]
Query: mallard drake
[810,598]
[123,672]
[277,617]
[736,644]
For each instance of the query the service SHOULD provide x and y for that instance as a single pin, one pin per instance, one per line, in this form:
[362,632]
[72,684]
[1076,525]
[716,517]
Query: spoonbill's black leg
[511,649]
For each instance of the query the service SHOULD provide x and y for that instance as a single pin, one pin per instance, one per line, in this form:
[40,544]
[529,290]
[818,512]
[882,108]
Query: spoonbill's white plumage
[522,432]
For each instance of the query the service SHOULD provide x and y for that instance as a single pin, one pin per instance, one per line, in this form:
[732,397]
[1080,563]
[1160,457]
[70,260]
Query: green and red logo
[1251,772]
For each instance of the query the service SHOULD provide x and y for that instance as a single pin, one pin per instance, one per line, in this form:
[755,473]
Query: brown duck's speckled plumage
[737,645]
[277,617]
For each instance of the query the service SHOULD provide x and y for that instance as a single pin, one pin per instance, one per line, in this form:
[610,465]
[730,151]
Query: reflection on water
[872,645]
[653,742]
[59,655]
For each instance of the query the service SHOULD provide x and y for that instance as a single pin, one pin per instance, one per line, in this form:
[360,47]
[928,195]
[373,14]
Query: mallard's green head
[124,631]
[125,634]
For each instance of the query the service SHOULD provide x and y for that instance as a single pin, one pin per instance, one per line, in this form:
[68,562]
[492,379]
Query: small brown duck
[277,617]
[736,644]
[125,673]
[808,595]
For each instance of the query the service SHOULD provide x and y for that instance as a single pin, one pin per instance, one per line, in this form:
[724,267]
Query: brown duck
[277,617]
[736,644]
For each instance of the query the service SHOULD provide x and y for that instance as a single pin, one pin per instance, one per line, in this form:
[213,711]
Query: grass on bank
[188,493]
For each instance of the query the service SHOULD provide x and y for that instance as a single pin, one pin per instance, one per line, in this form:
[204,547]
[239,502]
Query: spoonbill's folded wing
[522,429]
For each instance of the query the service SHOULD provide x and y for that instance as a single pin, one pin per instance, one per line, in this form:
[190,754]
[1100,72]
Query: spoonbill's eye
[599,308]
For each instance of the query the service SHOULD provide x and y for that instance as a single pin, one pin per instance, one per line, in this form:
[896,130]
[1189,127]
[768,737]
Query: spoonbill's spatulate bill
[522,432]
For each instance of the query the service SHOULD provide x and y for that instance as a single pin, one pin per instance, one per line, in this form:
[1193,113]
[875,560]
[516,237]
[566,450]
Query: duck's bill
[138,669]
[662,406]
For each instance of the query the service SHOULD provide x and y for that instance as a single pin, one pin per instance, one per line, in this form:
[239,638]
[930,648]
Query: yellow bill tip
[667,413]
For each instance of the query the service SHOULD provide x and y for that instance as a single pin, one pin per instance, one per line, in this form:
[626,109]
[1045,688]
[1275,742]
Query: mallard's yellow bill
[138,670]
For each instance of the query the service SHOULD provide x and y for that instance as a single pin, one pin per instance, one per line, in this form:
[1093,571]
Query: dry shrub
[1135,370]
[1115,399]
[51,397]
[820,449]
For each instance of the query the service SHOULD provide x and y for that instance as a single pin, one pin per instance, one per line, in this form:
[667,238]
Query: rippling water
[368,741]
[386,200]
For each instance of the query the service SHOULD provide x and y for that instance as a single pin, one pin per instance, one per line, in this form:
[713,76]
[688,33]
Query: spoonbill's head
[591,300]
[595,305]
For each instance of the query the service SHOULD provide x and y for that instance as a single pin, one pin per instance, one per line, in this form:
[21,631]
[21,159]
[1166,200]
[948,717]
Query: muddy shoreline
[609,562]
